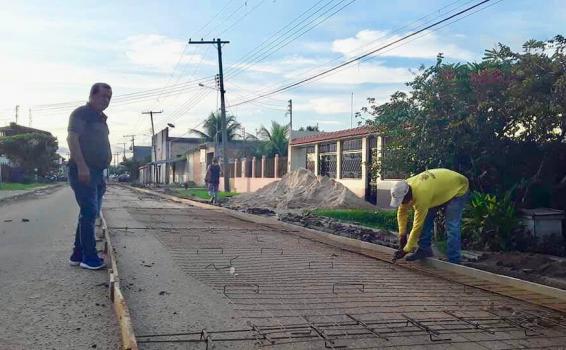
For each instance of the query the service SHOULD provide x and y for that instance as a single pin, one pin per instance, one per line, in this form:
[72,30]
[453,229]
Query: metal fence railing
[269,167]
[257,168]
[282,166]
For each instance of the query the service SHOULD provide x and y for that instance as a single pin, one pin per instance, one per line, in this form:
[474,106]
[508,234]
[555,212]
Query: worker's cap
[398,192]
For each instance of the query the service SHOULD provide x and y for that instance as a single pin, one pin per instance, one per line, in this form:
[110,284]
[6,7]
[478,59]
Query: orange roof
[334,135]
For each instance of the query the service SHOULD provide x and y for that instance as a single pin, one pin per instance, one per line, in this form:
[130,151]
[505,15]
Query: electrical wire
[358,58]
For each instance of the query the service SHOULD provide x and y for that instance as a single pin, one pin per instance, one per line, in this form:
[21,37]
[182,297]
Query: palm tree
[276,138]
[212,128]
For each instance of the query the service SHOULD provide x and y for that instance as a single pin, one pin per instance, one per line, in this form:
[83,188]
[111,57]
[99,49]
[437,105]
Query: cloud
[329,122]
[427,46]
[367,73]
[278,66]
[159,52]
[325,105]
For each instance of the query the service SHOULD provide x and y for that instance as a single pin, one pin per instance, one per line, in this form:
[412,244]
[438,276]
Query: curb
[534,293]
[128,338]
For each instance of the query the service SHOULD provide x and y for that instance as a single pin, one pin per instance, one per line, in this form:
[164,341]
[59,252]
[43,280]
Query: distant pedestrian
[212,180]
[90,156]
[428,192]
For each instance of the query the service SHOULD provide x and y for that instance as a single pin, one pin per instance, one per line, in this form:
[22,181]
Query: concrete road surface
[44,302]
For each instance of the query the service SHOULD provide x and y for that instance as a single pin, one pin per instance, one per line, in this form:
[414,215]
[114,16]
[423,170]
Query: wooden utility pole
[124,157]
[17,113]
[133,139]
[219,44]
[352,111]
[116,157]
[290,113]
[151,113]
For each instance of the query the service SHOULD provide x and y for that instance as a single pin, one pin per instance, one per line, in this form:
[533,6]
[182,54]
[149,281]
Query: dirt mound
[301,189]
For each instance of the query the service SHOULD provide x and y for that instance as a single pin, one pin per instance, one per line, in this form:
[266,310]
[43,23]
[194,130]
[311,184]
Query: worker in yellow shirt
[428,192]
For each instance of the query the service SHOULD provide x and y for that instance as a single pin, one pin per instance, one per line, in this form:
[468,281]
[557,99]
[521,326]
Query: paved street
[185,269]
[45,303]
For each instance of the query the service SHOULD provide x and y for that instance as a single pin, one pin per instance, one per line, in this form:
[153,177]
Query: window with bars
[311,158]
[328,165]
[351,167]
[328,160]
[327,147]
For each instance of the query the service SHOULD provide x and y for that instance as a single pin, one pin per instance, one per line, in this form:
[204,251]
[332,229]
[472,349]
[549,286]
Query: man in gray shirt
[90,155]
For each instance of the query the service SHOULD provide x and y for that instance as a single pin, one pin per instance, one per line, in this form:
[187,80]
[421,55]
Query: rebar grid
[301,294]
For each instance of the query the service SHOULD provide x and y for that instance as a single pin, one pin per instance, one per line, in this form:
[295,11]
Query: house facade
[166,152]
[345,156]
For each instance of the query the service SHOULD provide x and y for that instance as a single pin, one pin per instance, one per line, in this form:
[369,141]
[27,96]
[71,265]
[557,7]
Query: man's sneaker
[93,263]
[76,258]
[420,254]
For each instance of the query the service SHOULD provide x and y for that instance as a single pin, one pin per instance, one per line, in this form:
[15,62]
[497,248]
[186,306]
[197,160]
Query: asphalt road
[45,303]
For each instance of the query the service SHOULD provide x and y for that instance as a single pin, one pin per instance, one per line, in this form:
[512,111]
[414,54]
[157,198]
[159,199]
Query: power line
[283,41]
[187,45]
[258,48]
[353,52]
[128,97]
[358,58]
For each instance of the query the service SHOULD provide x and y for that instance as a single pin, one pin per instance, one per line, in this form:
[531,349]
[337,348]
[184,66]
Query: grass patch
[202,193]
[15,186]
[383,219]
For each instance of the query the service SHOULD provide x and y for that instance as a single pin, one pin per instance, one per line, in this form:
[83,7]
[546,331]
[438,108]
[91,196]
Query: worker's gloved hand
[402,241]
[399,254]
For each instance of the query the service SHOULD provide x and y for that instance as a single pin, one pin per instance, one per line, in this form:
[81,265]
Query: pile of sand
[301,189]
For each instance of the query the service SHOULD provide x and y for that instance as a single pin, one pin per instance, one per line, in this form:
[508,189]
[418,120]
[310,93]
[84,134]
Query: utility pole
[17,112]
[116,157]
[352,111]
[290,112]
[133,139]
[219,44]
[30,117]
[151,113]
[124,158]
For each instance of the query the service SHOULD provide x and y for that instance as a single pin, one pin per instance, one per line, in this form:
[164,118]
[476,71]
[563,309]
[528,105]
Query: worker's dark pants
[453,213]
[89,197]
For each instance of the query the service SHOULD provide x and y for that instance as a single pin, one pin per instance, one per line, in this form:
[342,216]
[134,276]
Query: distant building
[168,150]
[142,153]
[345,156]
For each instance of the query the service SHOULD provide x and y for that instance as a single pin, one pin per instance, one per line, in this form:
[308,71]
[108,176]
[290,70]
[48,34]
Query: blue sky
[52,52]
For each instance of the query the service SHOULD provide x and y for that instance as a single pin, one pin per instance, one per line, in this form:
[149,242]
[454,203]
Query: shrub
[492,223]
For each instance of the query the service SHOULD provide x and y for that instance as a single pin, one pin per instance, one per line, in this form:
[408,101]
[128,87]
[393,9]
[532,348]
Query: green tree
[309,128]
[501,122]
[276,139]
[31,151]
[212,126]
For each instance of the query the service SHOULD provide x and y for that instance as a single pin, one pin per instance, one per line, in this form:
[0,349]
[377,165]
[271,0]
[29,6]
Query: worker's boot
[420,254]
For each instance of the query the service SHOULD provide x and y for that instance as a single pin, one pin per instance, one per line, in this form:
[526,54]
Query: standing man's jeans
[453,212]
[89,197]
[213,191]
